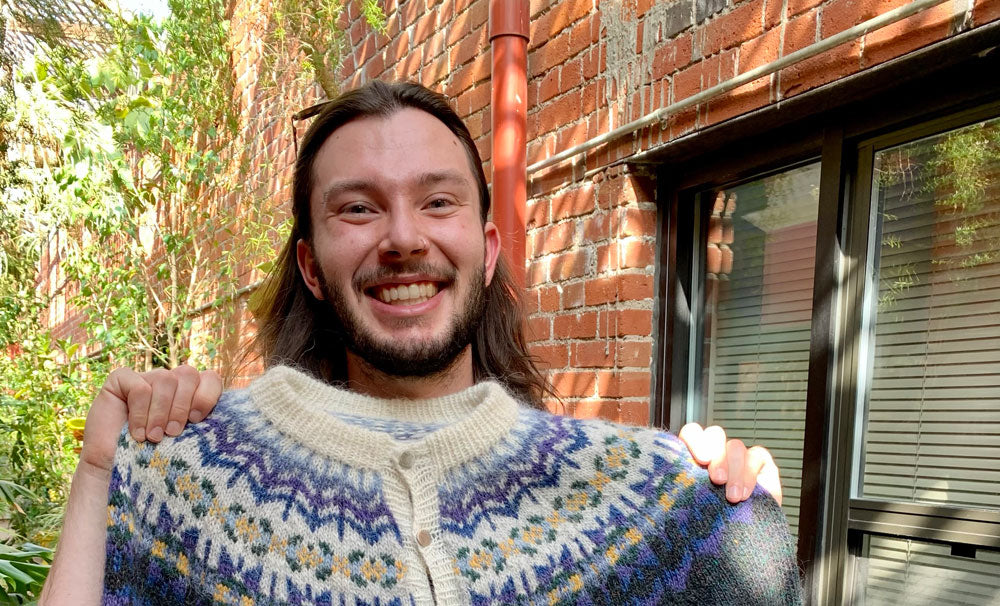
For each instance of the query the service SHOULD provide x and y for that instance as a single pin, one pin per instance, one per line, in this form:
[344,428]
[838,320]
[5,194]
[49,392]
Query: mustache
[382,273]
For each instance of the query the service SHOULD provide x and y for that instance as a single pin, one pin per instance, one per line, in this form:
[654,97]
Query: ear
[491,236]
[308,268]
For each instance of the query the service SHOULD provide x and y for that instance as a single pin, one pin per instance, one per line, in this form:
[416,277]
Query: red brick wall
[594,65]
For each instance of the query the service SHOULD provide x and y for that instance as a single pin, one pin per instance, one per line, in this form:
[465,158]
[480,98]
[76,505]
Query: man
[394,452]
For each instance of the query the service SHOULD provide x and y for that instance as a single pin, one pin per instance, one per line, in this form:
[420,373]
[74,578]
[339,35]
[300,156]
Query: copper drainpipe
[509,44]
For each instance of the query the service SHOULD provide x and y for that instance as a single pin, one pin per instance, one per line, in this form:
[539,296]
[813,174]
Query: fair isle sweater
[294,492]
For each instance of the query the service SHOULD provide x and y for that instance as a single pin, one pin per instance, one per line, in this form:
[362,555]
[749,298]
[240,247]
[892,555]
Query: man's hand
[156,403]
[732,463]
[162,401]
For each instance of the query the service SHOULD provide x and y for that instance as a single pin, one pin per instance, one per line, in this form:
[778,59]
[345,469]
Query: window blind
[932,428]
[757,317]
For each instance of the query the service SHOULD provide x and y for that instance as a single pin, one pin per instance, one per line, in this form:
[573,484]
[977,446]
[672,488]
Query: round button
[423,538]
[406,460]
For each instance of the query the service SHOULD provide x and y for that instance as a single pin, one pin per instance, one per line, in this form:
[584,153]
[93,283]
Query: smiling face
[398,247]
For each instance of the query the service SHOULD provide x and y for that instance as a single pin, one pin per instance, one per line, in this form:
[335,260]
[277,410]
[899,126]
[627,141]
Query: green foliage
[23,571]
[305,40]
[121,163]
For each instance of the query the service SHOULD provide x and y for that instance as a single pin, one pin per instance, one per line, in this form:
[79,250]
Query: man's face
[398,249]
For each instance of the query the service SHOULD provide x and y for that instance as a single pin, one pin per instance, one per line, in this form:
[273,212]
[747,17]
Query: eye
[440,203]
[356,209]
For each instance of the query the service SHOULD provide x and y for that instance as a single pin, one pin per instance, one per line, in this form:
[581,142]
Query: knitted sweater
[296,492]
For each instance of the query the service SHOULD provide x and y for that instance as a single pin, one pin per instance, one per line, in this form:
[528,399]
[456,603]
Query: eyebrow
[370,187]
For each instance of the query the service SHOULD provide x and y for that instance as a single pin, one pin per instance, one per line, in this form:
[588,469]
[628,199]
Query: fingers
[206,396]
[164,387]
[187,382]
[737,488]
[162,401]
[715,438]
[760,462]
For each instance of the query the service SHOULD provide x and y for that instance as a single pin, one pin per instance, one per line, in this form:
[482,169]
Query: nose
[404,238]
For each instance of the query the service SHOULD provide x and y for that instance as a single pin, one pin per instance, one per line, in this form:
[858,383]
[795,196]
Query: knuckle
[186,372]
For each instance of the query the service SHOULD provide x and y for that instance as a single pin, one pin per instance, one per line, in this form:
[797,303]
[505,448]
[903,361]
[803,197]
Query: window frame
[920,91]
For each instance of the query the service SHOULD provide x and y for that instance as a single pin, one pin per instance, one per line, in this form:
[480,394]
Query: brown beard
[423,360]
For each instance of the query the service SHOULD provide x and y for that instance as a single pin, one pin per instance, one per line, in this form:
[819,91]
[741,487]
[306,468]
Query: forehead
[394,151]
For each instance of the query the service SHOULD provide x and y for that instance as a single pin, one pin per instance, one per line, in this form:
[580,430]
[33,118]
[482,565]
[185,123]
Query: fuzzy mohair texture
[294,492]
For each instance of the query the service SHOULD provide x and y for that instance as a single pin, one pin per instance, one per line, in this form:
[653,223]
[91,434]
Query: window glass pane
[758,291]
[932,424]
[914,573]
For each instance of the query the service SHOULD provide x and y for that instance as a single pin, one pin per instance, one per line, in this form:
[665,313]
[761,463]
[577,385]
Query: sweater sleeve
[742,554]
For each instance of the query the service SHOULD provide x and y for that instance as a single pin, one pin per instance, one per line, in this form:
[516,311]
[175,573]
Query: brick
[633,221]
[761,50]
[573,295]
[902,37]
[593,354]
[821,69]
[625,322]
[579,37]
[571,135]
[409,11]
[538,329]
[433,48]
[468,47]
[575,326]
[636,254]
[568,265]
[596,228]
[555,238]
[572,203]
[634,412]
[774,11]
[985,11]
[592,408]
[538,272]
[607,257]
[464,77]
[617,384]
[574,383]
[548,86]
[687,82]
[703,9]
[800,33]
[743,23]
[571,75]
[551,54]
[634,354]
[796,7]
[559,112]
[839,15]
[670,57]
[548,298]
[739,101]
[550,356]
[557,20]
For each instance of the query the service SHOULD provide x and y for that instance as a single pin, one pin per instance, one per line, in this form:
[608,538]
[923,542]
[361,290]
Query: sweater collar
[306,409]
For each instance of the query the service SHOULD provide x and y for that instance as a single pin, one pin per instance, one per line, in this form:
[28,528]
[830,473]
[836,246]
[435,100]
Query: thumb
[107,416]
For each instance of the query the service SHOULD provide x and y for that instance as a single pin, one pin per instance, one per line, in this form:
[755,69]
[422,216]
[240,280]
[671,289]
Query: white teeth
[411,293]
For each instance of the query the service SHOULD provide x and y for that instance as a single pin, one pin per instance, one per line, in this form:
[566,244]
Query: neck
[364,378]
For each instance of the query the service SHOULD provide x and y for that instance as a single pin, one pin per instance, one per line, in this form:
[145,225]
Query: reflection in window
[758,290]
[932,425]
[914,573]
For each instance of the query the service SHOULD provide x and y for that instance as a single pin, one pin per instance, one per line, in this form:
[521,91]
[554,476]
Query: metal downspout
[509,115]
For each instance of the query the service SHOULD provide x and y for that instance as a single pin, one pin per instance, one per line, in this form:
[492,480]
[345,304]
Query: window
[845,313]
[757,255]
[928,407]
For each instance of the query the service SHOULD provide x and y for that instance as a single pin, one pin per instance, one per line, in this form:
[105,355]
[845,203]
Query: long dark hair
[293,326]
